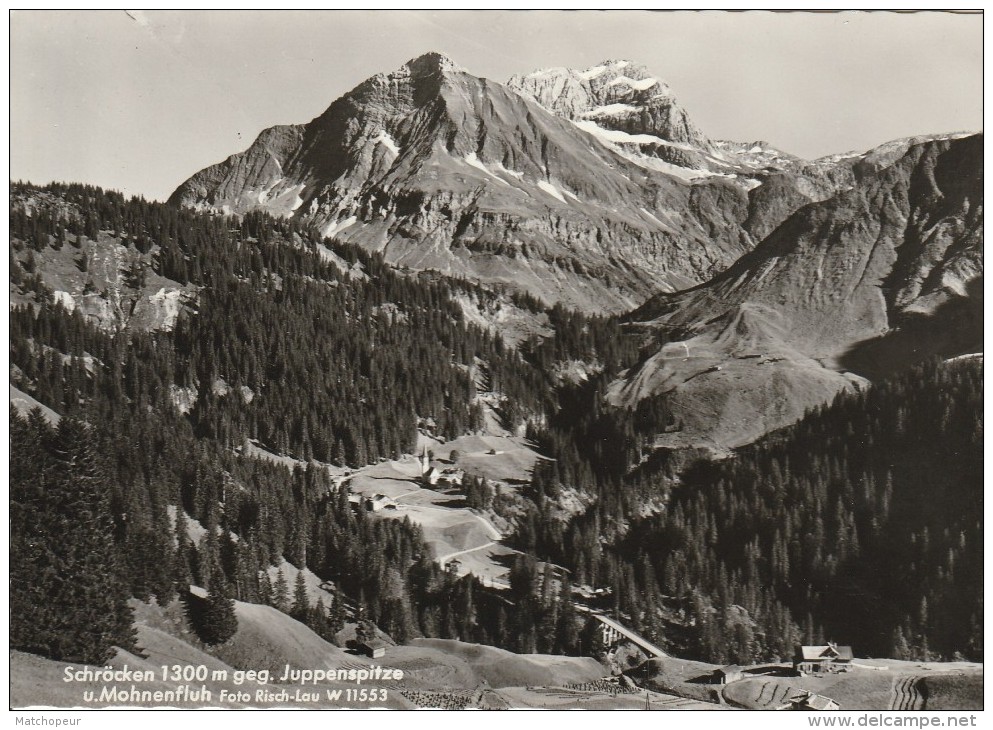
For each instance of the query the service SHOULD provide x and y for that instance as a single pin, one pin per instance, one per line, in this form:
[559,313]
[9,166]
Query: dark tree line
[284,348]
[861,524]
[68,583]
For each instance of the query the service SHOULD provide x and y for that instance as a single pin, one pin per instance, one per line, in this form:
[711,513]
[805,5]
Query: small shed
[727,675]
[373,648]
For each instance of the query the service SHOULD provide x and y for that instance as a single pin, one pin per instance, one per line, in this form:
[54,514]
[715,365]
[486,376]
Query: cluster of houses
[816,661]
[375,503]
[807,660]
[432,474]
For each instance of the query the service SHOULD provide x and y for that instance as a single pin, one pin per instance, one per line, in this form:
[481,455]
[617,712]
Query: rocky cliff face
[769,282]
[439,169]
[792,322]
[109,282]
[593,187]
[622,102]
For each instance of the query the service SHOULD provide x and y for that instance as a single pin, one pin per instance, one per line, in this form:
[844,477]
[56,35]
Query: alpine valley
[533,385]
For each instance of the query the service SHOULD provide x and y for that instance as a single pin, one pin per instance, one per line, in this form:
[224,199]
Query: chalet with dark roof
[822,659]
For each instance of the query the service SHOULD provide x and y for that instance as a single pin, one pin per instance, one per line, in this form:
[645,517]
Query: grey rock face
[877,276]
[616,95]
[442,170]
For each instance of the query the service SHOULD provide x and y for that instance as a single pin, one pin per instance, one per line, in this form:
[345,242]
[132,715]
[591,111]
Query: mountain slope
[752,349]
[627,108]
[439,169]
[623,98]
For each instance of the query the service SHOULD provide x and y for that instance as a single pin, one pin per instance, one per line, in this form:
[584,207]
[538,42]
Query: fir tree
[75,607]
[336,615]
[219,621]
[301,604]
[281,593]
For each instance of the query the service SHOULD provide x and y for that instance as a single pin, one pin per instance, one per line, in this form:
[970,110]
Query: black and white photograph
[496,360]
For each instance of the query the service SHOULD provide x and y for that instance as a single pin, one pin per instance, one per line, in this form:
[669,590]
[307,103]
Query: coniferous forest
[860,524]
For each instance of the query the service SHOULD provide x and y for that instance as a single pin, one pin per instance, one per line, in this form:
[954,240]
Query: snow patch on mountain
[547,72]
[337,226]
[639,84]
[689,174]
[473,160]
[505,171]
[267,190]
[611,110]
[592,72]
[387,141]
[551,190]
[653,218]
[619,137]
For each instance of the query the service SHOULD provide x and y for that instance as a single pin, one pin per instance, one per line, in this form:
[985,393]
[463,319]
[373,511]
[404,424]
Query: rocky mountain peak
[621,101]
[627,79]
[432,63]
[443,170]
[573,92]
[411,85]
[591,187]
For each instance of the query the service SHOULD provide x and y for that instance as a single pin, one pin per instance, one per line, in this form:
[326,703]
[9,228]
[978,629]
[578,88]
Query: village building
[433,474]
[727,675]
[451,477]
[379,501]
[373,648]
[808,701]
[822,659]
[429,473]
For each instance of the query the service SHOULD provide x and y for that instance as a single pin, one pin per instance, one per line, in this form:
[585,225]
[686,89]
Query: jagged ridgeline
[861,523]
[595,189]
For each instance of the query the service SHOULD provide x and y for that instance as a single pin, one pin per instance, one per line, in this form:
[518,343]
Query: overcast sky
[140,102]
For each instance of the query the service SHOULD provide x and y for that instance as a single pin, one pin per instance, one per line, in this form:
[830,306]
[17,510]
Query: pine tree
[265,589]
[281,593]
[365,631]
[182,575]
[301,604]
[219,621]
[336,615]
[76,605]
[318,621]
[30,472]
